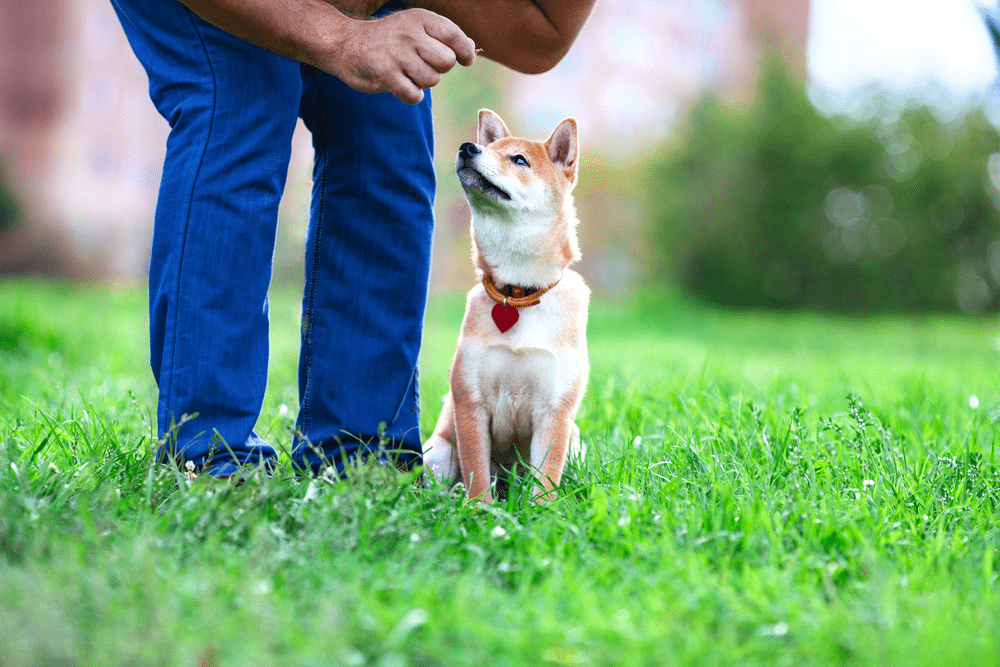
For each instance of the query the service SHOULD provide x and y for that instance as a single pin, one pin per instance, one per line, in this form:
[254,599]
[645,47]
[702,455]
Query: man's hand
[402,53]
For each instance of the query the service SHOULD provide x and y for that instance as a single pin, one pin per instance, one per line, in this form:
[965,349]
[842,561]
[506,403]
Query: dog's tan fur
[515,395]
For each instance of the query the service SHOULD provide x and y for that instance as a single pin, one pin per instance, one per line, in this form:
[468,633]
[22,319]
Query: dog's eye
[519,159]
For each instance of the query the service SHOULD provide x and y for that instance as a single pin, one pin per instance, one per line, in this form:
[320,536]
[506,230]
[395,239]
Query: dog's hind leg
[440,456]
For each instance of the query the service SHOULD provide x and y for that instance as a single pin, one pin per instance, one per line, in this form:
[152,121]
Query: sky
[937,49]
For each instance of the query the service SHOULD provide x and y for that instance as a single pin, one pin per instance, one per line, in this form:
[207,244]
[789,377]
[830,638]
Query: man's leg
[232,108]
[367,266]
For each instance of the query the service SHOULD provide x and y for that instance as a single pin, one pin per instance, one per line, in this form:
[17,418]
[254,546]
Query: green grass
[760,489]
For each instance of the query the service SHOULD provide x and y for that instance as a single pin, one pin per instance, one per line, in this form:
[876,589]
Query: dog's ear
[564,149]
[491,127]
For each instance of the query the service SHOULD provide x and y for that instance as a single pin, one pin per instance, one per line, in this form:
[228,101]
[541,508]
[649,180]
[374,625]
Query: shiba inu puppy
[521,366]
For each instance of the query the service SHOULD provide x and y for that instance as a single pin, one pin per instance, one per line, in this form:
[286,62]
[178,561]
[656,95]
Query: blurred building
[83,145]
[638,65]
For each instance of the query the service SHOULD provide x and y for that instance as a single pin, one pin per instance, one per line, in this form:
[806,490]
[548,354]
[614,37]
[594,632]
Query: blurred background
[836,155]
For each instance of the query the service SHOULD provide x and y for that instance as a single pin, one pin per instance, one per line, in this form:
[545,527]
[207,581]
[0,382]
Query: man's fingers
[436,54]
[422,74]
[451,36]
[406,90]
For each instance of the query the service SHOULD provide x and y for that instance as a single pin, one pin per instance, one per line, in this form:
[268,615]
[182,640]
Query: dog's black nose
[468,149]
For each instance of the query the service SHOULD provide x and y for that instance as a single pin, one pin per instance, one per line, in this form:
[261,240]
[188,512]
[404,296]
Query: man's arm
[530,36]
[401,53]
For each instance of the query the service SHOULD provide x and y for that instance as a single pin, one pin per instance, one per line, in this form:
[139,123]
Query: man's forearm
[525,35]
[296,29]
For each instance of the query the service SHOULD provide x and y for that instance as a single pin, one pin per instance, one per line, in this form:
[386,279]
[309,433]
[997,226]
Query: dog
[520,367]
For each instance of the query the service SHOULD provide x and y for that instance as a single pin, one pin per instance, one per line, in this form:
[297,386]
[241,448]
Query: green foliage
[765,489]
[775,205]
[10,209]
[463,92]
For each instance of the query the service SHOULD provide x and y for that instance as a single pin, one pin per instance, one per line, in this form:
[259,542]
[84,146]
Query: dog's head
[510,177]
[520,193]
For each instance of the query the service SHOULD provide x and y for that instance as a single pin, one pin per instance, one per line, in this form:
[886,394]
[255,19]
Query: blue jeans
[232,108]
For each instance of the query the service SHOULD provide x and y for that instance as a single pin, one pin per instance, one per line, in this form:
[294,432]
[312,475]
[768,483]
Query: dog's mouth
[471,178]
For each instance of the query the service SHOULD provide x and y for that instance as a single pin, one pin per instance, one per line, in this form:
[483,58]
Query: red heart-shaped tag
[505,319]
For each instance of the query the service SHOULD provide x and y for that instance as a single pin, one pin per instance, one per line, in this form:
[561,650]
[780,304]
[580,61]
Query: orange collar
[519,297]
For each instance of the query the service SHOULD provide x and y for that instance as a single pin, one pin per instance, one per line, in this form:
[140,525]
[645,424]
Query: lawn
[760,489]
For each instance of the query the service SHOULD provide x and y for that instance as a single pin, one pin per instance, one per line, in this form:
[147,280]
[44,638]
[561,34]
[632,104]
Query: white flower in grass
[779,629]
[189,472]
[973,402]
[868,482]
[498,532]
